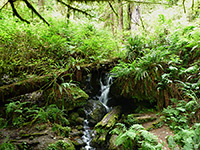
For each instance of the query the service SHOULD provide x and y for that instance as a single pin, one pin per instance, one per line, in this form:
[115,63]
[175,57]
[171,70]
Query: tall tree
[129,14]
[112,23]
[121,24]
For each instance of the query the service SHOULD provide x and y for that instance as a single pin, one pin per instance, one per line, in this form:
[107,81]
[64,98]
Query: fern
[136,135]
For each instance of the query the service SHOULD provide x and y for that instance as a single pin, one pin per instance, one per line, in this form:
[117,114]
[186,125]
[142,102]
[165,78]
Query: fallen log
[105,126]
[43,82]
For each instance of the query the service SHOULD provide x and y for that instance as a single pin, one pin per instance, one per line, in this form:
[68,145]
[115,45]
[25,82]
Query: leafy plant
[186,138]
[7,146]
[136,137]
[17,113]
[61,145]
[52,114]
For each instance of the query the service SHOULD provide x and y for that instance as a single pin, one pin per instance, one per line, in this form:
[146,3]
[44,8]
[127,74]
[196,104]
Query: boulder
[95,111]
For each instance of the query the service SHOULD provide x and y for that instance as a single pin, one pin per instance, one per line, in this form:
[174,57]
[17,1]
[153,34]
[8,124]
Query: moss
[41,127]
[138,119]
[79,98]
[60,130]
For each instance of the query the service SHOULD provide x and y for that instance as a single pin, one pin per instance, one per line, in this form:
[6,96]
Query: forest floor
[162,133]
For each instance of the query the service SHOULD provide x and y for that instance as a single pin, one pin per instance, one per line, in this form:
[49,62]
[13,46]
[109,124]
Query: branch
[184,6]
[16,13]
[76,9]
[143,2]
[35,11]
[112,8]
[4,5]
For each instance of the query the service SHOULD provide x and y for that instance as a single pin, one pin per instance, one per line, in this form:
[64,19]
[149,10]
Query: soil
[162,133]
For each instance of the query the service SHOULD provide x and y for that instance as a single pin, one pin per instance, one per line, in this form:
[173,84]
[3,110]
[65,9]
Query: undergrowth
[37,49]
[136,137]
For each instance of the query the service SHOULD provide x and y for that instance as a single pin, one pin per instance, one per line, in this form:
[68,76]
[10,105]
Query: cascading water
[105,90]
[105,83]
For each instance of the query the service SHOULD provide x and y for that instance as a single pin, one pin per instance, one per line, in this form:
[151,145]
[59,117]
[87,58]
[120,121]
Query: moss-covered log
[105,125]
[43,82]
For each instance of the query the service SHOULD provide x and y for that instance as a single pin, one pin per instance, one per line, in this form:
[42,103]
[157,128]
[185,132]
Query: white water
[103,98]
[87,136]
[105,91]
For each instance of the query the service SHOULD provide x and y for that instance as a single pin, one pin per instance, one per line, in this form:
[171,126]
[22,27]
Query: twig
[184,6]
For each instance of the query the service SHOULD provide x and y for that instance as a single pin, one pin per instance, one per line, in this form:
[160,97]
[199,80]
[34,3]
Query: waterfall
[105,83]
[105,88]
[87,135]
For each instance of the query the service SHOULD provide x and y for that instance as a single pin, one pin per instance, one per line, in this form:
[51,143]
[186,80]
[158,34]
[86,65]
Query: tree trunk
[112,23]
[121,17]
[130,12]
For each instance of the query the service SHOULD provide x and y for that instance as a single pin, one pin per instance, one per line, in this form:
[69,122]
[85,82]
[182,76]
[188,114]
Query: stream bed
[102,96]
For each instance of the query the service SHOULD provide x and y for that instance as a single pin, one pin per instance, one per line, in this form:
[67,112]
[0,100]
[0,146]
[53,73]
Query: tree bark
[112,23]
[130,12]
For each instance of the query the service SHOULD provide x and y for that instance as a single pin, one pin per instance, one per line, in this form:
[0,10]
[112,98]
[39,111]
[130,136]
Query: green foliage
[7,146]
[52,114]
[134,48]
[17,113]
[139,78]
[186,138]
[61,145]
[136,137]
[38,49]
[24,113]
[177,117]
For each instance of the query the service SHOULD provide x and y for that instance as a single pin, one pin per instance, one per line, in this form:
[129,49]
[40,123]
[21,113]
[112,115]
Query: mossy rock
[138,119]
[96,111]
[70,98]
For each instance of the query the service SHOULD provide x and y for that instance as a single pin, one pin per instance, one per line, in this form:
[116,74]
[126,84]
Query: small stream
[105,83]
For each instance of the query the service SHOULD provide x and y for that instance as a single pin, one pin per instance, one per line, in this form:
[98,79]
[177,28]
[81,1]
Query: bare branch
[16,13]
[183,3]
[35,11]
[73,8]
[144,2]
[112,8]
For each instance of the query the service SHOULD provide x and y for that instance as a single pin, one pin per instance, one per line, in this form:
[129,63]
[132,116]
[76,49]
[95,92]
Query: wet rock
[75,132]
[96,111]
[79,127]
[80,120]
[78,142]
